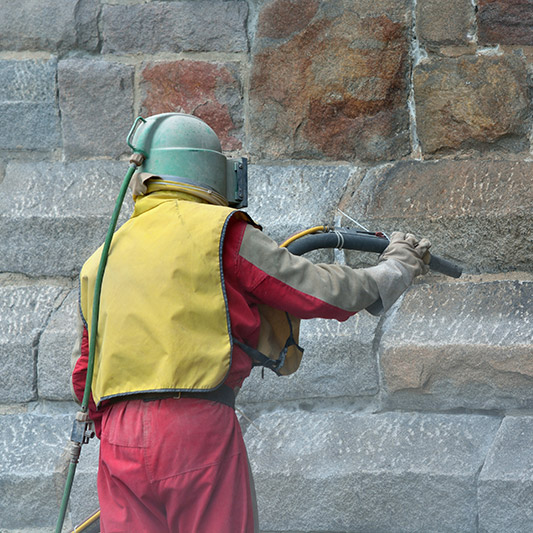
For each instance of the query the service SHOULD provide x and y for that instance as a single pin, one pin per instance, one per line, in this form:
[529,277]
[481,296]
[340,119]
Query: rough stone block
[33,470]
[329,82]
[24,311]
[505,22]
[54,215]
[28,105]
[55,350]
[84,496]
[202,26]
[461,345]
[289,199]
[211,91]
[444,23]
[477,213]
[28,80]
[338,362]
[95,125]
[471,102]
[87,33]
[393,472]
[52,25]
[506,481]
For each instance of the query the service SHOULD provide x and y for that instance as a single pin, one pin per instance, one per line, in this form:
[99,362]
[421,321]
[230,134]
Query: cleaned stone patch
[506,481]
[333,88]
[286,199]
[469,101]
[55,350]
[28,80]
[338,362]
[24,311]
[460,345]
[394,472]
[28,105]
[31,447]
[476,213]
[54,215]
[180,26]
[505,22]
[210,91]
[34,466]
[95,126]
[84,496]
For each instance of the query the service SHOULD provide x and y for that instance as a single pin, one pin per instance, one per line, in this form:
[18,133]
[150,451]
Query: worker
[194,295]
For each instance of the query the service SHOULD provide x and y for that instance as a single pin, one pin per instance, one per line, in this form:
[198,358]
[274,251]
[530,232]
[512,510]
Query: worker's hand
[404,258]
[412,253]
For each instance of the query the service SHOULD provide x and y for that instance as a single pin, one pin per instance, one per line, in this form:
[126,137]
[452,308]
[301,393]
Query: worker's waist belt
[223,394]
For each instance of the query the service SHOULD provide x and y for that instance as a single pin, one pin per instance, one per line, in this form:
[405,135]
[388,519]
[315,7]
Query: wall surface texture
[405,114]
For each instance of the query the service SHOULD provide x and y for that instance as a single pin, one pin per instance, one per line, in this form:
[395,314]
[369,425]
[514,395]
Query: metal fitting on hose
[75,451]
[137,159]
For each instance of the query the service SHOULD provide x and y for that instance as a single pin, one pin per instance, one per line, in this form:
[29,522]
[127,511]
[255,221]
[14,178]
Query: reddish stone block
[210,91]
[444,23]
[334,88]
[470,102]
[505,22]
[284,17]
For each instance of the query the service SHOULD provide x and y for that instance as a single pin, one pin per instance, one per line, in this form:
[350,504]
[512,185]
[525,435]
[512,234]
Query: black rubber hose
[364,242]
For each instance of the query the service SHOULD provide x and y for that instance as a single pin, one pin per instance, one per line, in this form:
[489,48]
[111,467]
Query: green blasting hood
[184,150]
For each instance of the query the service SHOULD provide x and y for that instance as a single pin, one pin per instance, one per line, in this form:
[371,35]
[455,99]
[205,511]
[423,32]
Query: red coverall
[180,465]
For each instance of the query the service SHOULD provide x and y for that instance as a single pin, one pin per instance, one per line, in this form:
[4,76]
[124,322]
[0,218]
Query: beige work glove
[408,250]
[405,258]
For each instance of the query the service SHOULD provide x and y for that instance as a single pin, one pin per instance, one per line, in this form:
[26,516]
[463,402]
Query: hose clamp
[340,240]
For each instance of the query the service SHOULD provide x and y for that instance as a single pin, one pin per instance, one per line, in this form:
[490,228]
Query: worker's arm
[80,358]
[292,283]
[76,357]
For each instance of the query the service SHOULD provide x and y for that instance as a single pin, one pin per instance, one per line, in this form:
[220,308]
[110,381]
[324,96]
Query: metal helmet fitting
[185,152]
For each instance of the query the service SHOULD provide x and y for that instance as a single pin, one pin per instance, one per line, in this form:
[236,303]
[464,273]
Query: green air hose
[80,429]
[98,285]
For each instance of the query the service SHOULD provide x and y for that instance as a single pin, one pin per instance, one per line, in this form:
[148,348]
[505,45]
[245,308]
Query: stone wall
[405,114]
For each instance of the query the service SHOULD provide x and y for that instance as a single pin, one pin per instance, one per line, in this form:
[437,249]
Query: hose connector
[82,429]
[137,159]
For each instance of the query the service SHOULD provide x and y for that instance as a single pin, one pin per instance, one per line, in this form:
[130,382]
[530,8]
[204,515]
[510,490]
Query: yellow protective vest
[162,297]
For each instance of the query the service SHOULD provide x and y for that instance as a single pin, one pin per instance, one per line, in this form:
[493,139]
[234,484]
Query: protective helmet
[185,152]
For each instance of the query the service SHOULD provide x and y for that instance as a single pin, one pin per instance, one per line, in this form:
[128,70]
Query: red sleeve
[275,293]
[79,376]
[269,290]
